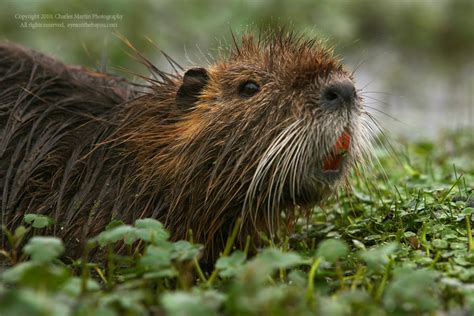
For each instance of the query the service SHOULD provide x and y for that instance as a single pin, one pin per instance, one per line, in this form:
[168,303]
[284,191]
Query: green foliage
[332,249]
[44,249]
[378,257]
[412,291]
[273,259]
[38,221]
[112,235]
[232,265]
[150,230]
[195,303]
[388,247]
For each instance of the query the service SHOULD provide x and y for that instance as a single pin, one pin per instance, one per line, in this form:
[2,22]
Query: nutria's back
[51,117]
[259,134]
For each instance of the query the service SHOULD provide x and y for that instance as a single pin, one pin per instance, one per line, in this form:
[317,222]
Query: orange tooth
[342,146]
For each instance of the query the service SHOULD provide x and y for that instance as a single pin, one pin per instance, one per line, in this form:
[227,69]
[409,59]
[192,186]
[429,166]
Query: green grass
[400,242]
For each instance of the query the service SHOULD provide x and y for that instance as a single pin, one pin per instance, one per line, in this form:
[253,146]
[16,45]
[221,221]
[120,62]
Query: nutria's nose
[338,94]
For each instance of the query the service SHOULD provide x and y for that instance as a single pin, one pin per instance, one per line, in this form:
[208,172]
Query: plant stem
[231,239]
[227,249]
[358,276]
[312,274]
[201,275]
[247,245]
[383,283]
[110,265]
[85,269]
[470,242]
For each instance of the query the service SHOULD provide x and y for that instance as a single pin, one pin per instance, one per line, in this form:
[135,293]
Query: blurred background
[413,59]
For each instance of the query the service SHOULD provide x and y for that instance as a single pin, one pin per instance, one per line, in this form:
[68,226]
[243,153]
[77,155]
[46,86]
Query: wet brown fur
[86,148]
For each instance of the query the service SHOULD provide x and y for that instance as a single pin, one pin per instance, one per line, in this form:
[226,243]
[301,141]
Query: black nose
[338,94]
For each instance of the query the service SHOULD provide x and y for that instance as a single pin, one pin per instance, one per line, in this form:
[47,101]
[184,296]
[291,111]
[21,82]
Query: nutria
[263,134]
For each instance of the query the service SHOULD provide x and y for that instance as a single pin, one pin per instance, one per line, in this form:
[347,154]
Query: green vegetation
[399,242]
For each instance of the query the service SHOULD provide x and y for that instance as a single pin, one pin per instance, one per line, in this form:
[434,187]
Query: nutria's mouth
[332,165]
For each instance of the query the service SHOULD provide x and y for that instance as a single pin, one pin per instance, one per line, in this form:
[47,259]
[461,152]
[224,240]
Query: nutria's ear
[194,80]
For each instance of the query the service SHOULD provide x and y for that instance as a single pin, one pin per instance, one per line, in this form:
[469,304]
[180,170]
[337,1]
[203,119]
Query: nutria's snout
[339,94]
[341,109]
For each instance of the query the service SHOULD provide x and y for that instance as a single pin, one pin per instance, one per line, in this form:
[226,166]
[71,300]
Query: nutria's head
[269,129]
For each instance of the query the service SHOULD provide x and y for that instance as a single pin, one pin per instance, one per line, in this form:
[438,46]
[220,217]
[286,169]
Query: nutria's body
[251,136]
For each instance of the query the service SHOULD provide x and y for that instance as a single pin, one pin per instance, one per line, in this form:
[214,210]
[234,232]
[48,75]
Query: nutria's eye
[248,88]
